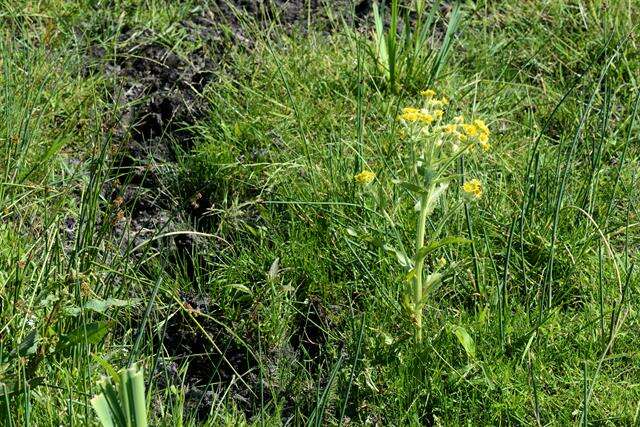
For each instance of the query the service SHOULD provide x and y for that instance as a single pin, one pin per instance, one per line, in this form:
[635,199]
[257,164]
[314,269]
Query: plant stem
[417,290]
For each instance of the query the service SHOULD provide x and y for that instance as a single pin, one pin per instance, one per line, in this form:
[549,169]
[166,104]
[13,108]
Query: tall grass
[534,322]
[411,51]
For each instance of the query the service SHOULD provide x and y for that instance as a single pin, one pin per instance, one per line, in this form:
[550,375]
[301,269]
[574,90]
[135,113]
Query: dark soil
[219,363]
[293,12]
[311,335]
[159,95]
[216,361]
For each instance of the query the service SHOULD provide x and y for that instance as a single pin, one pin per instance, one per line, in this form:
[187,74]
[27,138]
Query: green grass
[291,247]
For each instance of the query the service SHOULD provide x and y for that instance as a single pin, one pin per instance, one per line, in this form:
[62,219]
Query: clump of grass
[411,51]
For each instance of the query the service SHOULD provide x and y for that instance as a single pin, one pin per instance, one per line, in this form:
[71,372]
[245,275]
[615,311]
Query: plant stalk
[417,289]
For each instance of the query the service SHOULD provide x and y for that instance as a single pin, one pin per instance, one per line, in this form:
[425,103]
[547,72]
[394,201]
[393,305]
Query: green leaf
[467,342]
[406,303]
[242,288]
[428,175]
[382,55]
[413,188]
[434,196]
[100,305]
[411,274]
[402,258]
[28,346]
[108,368]
[114,401]
[430,284]
[138,396]
[49,301]
[432,246]
[101,406]
[94,333]
[352,232]
[19,388]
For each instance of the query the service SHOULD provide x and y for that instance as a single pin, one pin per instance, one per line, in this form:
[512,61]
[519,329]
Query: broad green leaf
[100,305]
[138,400]
[114,400]
[94,333]
[432,246]
[101,406]
[28,346]
[434,196]
[465,339]
[413,188]
[402,258]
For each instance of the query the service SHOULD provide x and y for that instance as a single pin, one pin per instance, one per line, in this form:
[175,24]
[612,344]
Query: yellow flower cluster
[365,177]
[429,93]
[427,115]
[411,114]
[473,188]
[430,96]
[476,130]
[463,131]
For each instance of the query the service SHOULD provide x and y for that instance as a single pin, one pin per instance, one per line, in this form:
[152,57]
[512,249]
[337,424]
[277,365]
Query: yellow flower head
[444,100]
[450,128]
[438,114]
[410,110]
[461,136]
[483,138]
[410,114]
[482,126]
[473,189]
[442,262]
[409,117]
[429,93]
[470,130]
[426,118]
[365,177]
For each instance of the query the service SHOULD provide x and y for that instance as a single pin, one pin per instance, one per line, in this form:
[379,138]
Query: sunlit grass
[534,321]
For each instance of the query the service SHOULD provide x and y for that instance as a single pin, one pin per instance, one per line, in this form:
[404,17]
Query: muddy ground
[159,96]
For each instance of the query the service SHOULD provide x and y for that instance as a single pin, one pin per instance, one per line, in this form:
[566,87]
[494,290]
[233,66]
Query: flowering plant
[438,145]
